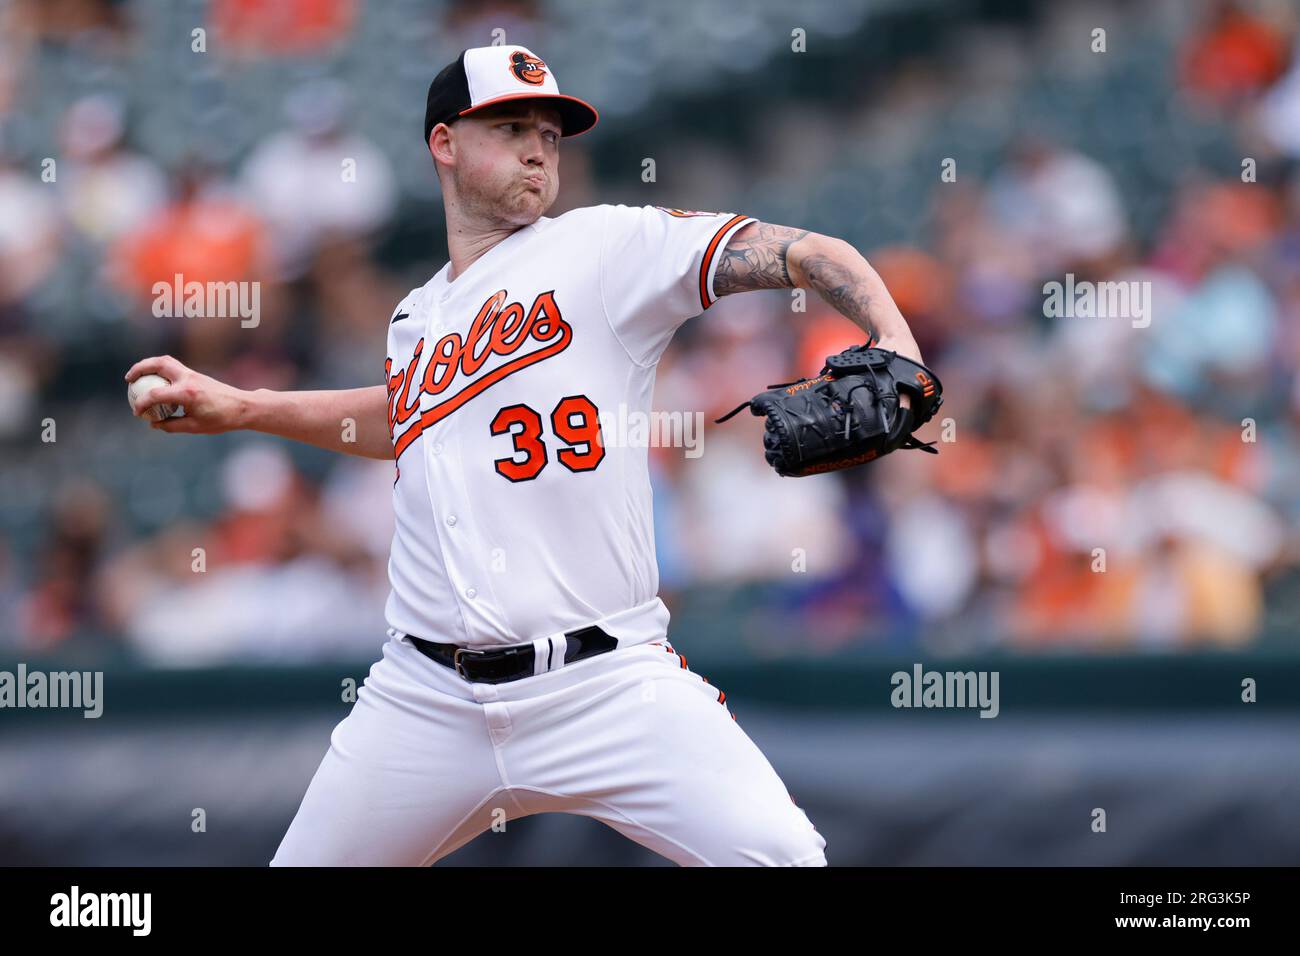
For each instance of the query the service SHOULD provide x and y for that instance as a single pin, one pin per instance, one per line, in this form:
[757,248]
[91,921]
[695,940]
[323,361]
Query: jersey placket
[449,500]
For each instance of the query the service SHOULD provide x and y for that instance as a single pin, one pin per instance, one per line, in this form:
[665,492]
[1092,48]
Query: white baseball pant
[426,761]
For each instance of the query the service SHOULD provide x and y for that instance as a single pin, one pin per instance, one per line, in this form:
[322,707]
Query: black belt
[499,665]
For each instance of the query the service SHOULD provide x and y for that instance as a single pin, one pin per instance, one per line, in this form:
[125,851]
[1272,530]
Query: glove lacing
[911,441]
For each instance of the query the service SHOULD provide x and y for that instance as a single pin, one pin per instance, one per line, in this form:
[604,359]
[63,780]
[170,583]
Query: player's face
[508,161]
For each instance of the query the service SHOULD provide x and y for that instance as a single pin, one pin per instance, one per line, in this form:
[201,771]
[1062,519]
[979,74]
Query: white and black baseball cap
[485,75]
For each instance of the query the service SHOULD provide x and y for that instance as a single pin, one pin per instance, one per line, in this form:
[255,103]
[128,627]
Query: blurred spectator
[1216,230]
[1279,110]
[271,579]
[347,292]
[933,555]
[285,27]
[316,180]
[206,234]
[1233,310]
[921,287]
[469,22]
[991,279]
[63,21]
[1215,223]
[29,228]
[106,189]
[1235,52]
[1062,207]
[62,604]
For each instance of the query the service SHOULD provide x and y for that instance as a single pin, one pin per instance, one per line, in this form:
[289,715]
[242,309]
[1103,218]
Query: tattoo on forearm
[755,259]
[841,288]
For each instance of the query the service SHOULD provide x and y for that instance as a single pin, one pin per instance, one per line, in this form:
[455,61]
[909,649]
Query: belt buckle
[456,660]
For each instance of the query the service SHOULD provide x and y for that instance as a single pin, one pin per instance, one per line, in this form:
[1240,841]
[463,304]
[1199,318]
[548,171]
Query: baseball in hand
[147,383]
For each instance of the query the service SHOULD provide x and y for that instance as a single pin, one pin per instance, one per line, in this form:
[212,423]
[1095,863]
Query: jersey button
[437,448]
[451,521]
[471,593]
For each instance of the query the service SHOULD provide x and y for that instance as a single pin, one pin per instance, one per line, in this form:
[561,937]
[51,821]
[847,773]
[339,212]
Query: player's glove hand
[848,415]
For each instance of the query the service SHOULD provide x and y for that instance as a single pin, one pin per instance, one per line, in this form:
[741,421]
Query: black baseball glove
[848,415]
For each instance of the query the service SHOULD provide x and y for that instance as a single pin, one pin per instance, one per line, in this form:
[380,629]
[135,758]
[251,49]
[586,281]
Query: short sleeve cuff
[713,255]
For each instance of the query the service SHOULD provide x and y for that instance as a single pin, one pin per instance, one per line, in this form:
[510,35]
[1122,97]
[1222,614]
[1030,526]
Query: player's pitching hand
[211,407]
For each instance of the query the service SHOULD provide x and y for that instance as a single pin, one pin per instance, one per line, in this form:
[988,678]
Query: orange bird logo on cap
[527,68]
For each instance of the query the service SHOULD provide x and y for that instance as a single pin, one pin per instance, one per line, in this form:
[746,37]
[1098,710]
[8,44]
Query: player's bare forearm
[353,421]
[766,256]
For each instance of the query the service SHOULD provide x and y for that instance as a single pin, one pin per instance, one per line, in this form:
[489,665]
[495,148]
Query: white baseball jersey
[515,522]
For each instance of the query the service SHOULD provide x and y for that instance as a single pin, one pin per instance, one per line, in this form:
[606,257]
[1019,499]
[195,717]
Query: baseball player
[528,667]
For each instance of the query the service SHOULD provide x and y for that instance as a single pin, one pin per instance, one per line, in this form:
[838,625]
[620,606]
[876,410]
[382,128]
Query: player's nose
[533,153]
[534,147]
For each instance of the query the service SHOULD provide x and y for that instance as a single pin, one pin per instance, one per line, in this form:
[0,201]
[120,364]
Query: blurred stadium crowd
[1102,483]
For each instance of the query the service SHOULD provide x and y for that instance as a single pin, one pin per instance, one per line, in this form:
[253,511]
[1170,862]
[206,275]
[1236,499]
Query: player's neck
[467,242]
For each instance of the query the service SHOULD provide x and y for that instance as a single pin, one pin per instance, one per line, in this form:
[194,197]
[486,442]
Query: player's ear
[441,145]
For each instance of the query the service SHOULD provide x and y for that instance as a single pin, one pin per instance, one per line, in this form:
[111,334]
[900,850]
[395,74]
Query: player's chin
[531,203]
